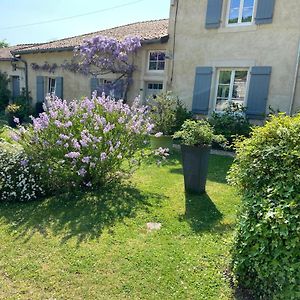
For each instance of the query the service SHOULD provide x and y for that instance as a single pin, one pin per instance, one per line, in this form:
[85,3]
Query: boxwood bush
[266,253]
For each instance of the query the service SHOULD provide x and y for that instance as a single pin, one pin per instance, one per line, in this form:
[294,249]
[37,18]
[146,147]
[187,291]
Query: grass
[96,246]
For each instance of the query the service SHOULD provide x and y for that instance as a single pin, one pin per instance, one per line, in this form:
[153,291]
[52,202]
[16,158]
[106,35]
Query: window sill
[238,28]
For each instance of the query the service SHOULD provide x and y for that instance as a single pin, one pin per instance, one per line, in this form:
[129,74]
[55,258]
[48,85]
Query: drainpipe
[174,2]
[295,82]
[18,58]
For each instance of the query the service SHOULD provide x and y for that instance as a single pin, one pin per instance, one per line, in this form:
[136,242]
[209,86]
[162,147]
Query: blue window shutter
[15,86]
[59,87]
[94,84]
[202,90]
[119,89]
[40,89]
[213,13]
[258,92]
[265,11]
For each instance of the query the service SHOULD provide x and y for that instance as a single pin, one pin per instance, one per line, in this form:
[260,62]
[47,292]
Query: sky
[17,15]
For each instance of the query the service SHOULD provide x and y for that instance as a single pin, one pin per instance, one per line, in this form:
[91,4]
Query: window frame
[48,86]
[153,82]
[157,61]
[231,69]
[239,23]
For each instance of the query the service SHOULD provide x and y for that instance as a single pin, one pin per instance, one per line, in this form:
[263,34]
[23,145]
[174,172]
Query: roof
[148,31]
[6,55]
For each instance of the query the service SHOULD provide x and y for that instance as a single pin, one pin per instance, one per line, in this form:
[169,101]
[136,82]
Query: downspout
[295,82]
[174,42]
[18,58]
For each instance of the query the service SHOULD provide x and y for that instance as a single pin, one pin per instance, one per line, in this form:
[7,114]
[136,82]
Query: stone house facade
[245,51]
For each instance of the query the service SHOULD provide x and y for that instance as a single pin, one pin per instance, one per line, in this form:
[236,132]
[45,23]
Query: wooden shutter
[265,11]
[15,86]
[40,89]
[213,13]
[202,90]
[258,92]
[59,88]
[119,89]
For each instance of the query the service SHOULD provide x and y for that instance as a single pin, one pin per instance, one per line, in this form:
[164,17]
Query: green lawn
[96,246]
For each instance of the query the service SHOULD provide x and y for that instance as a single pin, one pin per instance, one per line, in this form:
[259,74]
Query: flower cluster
[86,143]
[107,53]
[18,181]
[45,67]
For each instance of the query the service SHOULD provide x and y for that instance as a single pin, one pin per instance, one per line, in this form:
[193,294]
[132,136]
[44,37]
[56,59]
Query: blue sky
[22,12]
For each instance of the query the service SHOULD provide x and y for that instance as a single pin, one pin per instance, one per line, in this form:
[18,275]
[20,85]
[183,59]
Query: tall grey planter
[195,167]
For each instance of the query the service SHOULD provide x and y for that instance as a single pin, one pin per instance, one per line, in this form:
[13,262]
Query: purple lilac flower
[103,156]
[15,137]
[76,145]
[16,120]
[64,137]
[24,162]
[81,172]
[86,159]
[108,127]
[72,155]
[68,124]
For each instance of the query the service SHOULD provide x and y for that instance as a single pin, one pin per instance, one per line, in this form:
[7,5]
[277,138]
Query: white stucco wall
[272,45]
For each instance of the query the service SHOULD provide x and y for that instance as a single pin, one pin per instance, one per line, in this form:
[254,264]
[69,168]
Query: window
[51,86]
[240,12]
[157,61]
[232,86]
[153,89]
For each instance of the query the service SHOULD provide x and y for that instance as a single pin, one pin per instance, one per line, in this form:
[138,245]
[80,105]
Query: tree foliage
[3,44]
[4,91]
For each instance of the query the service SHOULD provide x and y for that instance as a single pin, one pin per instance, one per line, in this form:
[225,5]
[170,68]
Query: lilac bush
[86,143]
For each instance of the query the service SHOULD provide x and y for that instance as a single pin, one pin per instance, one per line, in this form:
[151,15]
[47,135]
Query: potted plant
[167,114]
[196,139]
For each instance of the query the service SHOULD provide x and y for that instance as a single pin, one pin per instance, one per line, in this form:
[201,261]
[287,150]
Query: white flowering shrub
[18,181]
[86,143]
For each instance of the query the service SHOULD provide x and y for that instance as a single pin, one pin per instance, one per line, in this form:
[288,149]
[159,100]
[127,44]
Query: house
[246,51]
[8,66]
[149,78]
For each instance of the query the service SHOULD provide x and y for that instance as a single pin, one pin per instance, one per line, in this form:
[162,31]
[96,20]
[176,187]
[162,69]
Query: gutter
[162,40]
[295,82]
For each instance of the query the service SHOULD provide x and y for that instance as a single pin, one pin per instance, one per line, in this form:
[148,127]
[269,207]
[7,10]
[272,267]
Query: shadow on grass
[201,213]
[81,215]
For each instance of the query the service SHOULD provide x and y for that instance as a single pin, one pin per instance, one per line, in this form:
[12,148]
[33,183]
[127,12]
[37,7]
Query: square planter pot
[195,167]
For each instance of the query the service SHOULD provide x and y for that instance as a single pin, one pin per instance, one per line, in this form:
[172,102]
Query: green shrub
[4,91]
[18,177]
[167,113]
[266,253]
[231,123]
[197,133]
